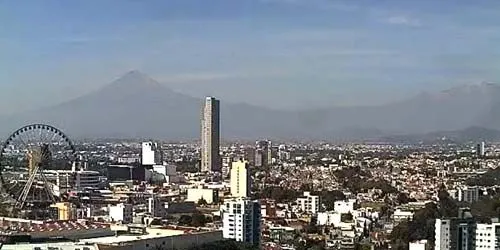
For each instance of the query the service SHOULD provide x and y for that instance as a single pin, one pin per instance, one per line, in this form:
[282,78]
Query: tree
[330,197]
[202,202]
[185,220]
[198,220]
[312,228]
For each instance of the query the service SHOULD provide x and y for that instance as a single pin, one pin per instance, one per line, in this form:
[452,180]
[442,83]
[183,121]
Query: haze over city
[250,125]
[280,54]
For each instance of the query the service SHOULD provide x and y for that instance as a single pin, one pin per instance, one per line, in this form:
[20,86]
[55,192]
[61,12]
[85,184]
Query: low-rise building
[309,203]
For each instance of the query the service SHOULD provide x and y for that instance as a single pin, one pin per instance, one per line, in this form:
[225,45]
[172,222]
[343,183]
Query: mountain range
[136,106]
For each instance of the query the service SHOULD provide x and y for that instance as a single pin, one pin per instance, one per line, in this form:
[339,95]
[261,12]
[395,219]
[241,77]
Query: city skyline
[53,50]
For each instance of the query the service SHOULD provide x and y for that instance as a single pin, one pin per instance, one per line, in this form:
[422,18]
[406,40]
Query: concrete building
[74,179]
[64,211]
[167,172]
[465,194]
[455,233]
[151,154]
[345,207]
[156,207]
[481,149]
[121,213]
[309,203]
[466,234]
[329,219]
[210,136]
[263,153]
[241,220]
[211,196]
[418,245]
[167,238]
[240,179]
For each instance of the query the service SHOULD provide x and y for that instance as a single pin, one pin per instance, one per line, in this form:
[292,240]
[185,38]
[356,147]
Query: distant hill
[471,134]
[136,106]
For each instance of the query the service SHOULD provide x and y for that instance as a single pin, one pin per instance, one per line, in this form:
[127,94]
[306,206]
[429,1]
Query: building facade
[210,136]
[151,154]
[465,233]
[211,196]
[241,220]
[309,203]
[121,213]
[240,179]
[263,153]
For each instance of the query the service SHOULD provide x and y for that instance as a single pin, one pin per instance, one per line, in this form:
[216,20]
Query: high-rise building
[210,136]
[480,149]
[240,179]
[241,220]
[263,153]
[151,154]
[464,233]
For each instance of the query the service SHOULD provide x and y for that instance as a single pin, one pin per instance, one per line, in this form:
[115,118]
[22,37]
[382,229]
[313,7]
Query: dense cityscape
[256,195]
[249,125]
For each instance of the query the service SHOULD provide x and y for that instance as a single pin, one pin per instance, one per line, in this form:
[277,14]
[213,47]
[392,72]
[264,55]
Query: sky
[284,54]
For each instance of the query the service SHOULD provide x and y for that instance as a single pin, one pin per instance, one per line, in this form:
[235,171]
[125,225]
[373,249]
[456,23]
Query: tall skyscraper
[241,220]
[240,179]
[210,136]
[263,153]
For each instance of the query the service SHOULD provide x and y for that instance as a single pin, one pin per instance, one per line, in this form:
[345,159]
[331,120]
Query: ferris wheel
[23,158]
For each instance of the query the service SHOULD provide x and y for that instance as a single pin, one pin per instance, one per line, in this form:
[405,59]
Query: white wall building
[74,179]
[309,203]
[345,207]
[151,153]
[241,220]
[170,170]
[418,245]
[329,219]
[121,213]
[240,179]
[486,236]
[211,196]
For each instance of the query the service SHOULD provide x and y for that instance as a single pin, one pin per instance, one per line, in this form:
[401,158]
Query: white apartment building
[487,236]
[241,220]
[121,213]
[309,203]
[240,179]
[466,234]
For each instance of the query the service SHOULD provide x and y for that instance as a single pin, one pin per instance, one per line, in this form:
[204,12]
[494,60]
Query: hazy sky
[280,53]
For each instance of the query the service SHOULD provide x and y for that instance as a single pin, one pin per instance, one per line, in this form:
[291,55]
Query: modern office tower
[210,136]
[241,220]
[240,179]
[151,154]
[480,149]
[263,153]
